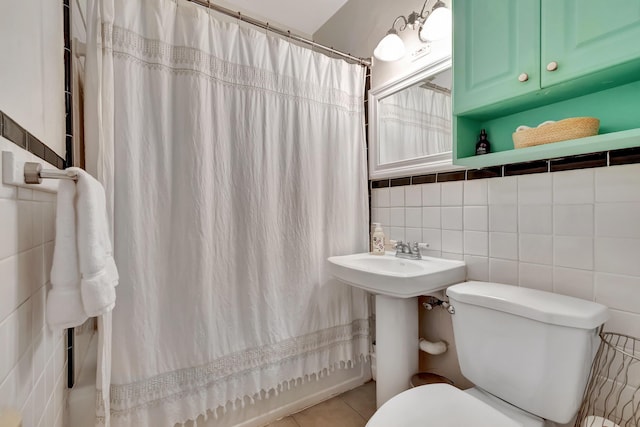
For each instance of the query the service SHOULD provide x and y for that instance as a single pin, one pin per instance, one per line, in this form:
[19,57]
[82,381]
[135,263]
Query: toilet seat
[440,405]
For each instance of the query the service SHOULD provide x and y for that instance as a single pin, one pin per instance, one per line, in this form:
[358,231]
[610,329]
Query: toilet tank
[530,348]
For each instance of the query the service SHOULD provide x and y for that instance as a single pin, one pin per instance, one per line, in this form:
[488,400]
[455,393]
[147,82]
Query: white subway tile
[431,217]
[449,255]
[49,221]
[452,241]
[23,378]
[503,245]
[503,218]
[573,187]
[618,219]
[48,260]
[25,193]
[43,196]
[396,196]
[431,253]
[9,345]
[396,217]
[623,322]
[573,282]
[413,234]
[618,256]
[535,219]
[476,218]
[433,237]
[38,301]
[451,218]
[476,243]
[9,234]
[380,197]
[536,276]
[413,195]
[618,183]
[396,233]
[503,191]
[8,191]
[37,224]
[12,293]
[381,215]
[503,271]
[477,268]
[25,225]
[535,189]
[619,292]
[573,252]
[573,220]
[413,217]
[39,355]
[475,192]
[535,248]
[451,193]
[430,194]
[25,318]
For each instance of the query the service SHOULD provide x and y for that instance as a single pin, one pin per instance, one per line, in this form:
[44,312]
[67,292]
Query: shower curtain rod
[284,33]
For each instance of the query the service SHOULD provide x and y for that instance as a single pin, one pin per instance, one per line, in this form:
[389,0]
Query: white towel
[83,275]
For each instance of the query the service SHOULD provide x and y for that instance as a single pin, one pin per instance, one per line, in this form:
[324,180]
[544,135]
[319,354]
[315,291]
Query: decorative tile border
[15,133]
[582,161]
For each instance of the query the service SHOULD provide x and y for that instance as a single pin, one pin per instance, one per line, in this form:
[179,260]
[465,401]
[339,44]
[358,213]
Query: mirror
[410,130]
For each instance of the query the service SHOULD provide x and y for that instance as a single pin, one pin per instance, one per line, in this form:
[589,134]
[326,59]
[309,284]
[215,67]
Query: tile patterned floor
[350,409]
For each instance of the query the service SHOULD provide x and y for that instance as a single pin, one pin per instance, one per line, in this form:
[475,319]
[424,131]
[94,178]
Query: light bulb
[390,48]
[437,26]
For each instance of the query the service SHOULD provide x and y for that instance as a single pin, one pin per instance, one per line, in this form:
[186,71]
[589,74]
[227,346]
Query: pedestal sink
[397,283]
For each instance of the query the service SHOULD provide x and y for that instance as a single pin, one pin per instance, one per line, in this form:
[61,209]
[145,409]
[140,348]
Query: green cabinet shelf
[592,144]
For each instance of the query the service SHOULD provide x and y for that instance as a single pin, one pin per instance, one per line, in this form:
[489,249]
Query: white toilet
[528,352]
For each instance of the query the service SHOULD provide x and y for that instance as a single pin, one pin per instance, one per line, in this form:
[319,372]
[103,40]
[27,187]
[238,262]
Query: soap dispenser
[377,240]
[483,146]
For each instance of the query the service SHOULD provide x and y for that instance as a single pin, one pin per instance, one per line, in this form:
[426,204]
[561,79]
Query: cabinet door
[496,45]
[585,36]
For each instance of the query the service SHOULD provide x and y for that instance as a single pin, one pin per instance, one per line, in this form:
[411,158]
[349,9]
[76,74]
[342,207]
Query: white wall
[360,24]
[32,359]
[32,71]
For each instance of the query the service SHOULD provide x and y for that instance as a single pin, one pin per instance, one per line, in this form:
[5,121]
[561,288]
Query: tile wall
[573,232]
[32,358]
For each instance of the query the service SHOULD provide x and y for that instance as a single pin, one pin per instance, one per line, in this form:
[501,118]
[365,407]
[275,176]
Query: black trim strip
[622,156]
[12,131]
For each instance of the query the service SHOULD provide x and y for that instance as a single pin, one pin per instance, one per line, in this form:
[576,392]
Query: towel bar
[34,174]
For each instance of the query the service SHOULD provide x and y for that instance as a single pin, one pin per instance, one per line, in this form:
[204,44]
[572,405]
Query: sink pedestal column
[397,350]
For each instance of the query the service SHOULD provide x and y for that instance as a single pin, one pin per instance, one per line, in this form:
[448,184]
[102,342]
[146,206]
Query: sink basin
[396,277]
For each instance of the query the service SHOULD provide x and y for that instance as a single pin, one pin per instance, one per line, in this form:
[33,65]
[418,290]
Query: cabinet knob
[523,77]
[552,66]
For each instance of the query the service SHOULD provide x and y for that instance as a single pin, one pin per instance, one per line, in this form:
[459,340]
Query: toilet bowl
[527,351]
[444,405]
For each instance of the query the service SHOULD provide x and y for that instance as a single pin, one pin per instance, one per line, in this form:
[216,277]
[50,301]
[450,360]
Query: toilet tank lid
[538,305]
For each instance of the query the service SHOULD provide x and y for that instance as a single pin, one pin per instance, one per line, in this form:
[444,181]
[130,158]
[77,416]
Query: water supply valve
[436,302]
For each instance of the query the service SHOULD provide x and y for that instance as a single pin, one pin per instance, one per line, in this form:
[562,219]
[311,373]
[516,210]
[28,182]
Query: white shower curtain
[234,163]
[414,122]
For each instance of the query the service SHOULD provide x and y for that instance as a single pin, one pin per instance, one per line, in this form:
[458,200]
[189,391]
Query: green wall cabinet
[580,37]
[496,51]
[527,61]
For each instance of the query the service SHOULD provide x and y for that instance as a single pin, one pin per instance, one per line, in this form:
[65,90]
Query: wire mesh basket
[612,396]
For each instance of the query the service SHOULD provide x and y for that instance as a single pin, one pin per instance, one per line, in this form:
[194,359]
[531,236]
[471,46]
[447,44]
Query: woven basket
[563,130]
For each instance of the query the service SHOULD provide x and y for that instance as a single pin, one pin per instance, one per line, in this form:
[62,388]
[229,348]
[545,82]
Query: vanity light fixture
[432,25]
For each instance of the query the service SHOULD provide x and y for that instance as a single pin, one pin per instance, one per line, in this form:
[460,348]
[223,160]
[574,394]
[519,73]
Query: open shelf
[592,144]
[617,108]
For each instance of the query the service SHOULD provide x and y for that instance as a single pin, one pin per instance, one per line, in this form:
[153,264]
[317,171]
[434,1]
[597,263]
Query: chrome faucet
[409,250]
